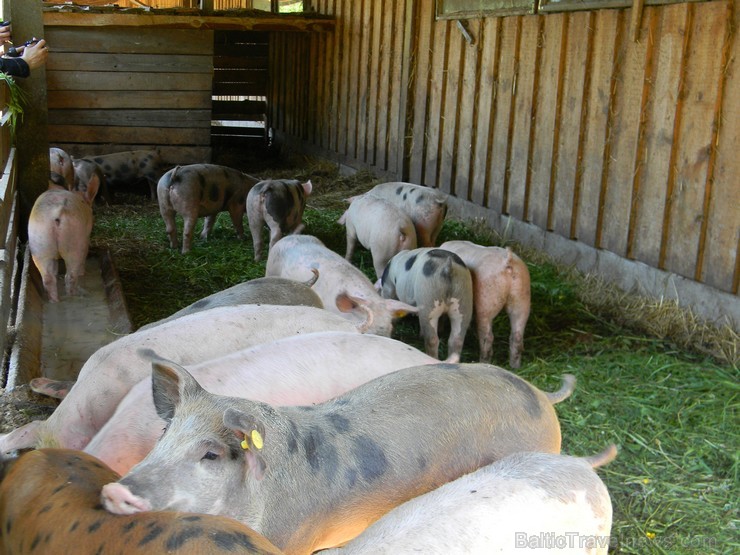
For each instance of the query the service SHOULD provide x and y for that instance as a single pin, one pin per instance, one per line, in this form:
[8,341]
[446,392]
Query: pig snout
[118,499]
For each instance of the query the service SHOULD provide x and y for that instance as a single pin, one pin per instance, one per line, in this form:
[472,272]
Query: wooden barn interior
[603,132]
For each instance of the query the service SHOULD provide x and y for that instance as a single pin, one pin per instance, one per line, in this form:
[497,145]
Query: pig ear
[251,435]
[307,187]
[399,309]
[170,382]
[92,188]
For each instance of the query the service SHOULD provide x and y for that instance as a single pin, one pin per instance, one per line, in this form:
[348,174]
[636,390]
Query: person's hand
[5,34]
[35,54]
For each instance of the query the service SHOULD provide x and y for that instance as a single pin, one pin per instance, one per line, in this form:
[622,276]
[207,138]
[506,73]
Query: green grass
[672,410]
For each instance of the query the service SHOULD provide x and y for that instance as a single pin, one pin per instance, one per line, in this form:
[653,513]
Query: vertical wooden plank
[346,83]
[405,115]
[327,84]
[702,75]
[384,87]
[316,68]
[572,103]
[355,71]
[364,81]
[421,80]
[720,267]
[339,63]
[436,92]
[625,121]
[485,108]
[375,110]
[523,116]
[505,83]
[595,151]
[544,133]
[451,105]
[396,84]
[666,39]
[468,133]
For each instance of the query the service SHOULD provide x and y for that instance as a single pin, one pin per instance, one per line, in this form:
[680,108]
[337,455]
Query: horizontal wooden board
[237,89]
[241,50]
[123,41]
[197,100]
[240,76]
[132,118]
[238,108]
[238,131]
[108,81]
[154,63]
[132,135]
[243,62]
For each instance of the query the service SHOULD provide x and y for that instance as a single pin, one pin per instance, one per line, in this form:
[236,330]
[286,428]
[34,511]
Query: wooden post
[32,137]
[206,6]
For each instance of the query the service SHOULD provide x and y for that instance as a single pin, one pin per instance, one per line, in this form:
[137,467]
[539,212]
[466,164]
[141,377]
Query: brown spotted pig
[59,226]
[198,190]
[50,503]
[312,477]
[278,203]
[437,283]
[500,280]
[123,169]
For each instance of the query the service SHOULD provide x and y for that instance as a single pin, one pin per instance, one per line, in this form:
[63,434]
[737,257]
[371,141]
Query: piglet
[199,190]
[127,168]
[279,203]
[520,502]
[50,503]
[90,179]
[425,206]
[380,226]
[500,280]
[59,226]
[437,282]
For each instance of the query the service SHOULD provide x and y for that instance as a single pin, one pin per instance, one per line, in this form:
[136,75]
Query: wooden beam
[636,20]
[266,23]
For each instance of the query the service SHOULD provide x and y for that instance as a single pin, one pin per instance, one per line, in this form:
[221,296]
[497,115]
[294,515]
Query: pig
[50,503]
[301,370]
[202,190]
[279,203]
[112,370]
[343,288]
[500,508]
[500,279]
[61,163]
[380,226]
[122,169]
[313,477]
[437,282]
[89,179]
[57,182]
[59,226]
[266,290]
[427,207]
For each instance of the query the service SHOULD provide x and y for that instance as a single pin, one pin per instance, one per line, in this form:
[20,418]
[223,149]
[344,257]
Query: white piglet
[380,226]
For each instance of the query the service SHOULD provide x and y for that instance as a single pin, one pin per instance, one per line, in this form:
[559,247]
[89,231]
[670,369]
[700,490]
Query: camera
[13,51]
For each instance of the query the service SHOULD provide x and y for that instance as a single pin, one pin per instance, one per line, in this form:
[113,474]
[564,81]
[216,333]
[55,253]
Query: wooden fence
[560,120]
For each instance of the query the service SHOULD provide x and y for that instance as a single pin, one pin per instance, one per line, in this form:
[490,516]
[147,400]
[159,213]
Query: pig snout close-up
[50,503]
[313,477]
[202,190]
[500,280]
[437,283]
[379,226]
[59,227]
[279,205]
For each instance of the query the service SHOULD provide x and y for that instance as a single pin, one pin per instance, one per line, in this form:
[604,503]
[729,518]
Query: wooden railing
[8,224]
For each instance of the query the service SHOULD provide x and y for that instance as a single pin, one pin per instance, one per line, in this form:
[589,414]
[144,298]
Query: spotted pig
[502,508]
[278,203]
[313,477]
[199,190]
[125,169]
[500,280]
[438,283]
[50,503]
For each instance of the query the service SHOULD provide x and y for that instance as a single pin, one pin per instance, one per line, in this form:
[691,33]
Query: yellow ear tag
[257,439]
[244,443]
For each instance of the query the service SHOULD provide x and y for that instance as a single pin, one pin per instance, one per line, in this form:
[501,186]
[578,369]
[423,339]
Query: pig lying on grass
[313,477]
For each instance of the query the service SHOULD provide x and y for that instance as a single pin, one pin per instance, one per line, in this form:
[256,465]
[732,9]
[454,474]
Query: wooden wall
[112,89]
[559,120]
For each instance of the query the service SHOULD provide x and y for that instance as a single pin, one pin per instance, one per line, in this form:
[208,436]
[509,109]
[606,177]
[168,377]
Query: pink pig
[59,227]
[500,279]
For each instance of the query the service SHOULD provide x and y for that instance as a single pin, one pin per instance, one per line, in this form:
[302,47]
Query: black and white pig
[198,190]
[316,476]
[124,169]
[279,204]
[436,282]
[380,226]
[502,508]
[427,207]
